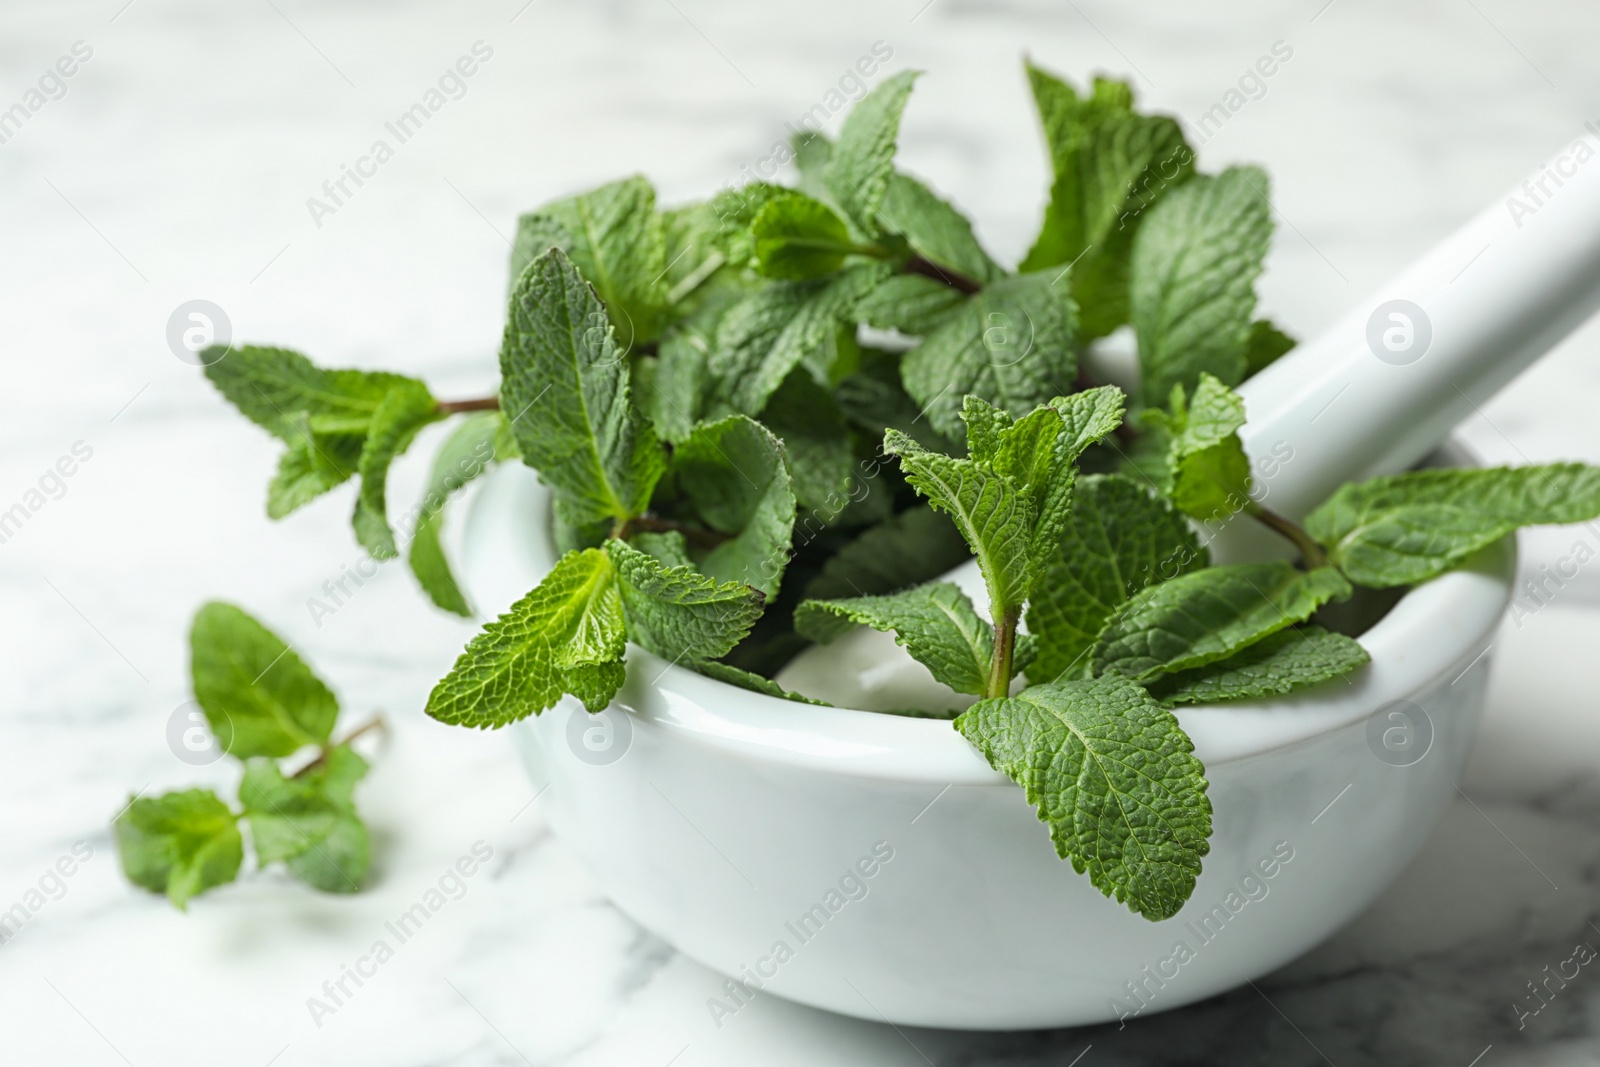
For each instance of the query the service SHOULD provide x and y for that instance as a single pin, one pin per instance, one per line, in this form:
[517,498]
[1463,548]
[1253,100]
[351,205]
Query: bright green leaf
[679,613]
[733,473]
[395,424]
[180,844]
[465,454]
[936,230]
[309,822]
[796,237]
[1115,778]
[258,696]
[1288,660]
[862,160]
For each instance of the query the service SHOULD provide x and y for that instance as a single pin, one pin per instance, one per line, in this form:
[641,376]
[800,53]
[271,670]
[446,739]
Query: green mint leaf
[1266,344]
[1288,660]
[566,636]
[405,410]
[816,445]
[1040,451]
[756,683]
[734,475]
[565,389]
[812,151]
[1110,165]
[996,519]
[1011,344]
[678,613]
[1408,528]
[1208,615]
[936,230]
[1193,270]
[679,393]
[766,335]
[259,698]
[796,237]
[914,304]
[1119,538]
[935,623]
[1115,778]
[862,160]
[465,454]
[669,547]
[693,250]
[309,822]
[736,210]
[905,550]
[312,465]
[1207,472]
[615,238]
[271,386]
[180,844]
[871,403]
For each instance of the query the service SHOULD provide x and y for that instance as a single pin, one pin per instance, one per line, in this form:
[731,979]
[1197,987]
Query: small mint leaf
[935,623]
[807,419]
[796,237]
[914,304]
[180,844]
[1408,528]
[1209,614]
[756,683]
[395,424]
[1288,660]
[1267,343]
[734,475]
[862,160]
[465,454]
[678,613]
[309,822]
[935,229]
[258,696]
[566,636]
[565,389]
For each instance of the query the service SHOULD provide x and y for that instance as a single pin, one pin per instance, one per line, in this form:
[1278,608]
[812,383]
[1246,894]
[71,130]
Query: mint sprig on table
[780,413]
[262,703]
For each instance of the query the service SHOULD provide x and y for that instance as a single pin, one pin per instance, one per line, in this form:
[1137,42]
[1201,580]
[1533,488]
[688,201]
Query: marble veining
[178,164]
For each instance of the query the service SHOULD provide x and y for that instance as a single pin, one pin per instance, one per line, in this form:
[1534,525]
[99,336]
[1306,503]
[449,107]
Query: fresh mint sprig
[262,703]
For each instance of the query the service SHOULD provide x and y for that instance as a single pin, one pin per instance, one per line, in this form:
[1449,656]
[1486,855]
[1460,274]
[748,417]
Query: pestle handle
[1385,384]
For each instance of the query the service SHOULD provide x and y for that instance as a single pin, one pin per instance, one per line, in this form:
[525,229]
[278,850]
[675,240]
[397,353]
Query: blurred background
[176,163]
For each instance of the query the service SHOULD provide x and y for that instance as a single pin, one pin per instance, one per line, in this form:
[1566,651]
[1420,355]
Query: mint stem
[483,403]
[375,723]
[929,269]
[1310,551]
[1005,640]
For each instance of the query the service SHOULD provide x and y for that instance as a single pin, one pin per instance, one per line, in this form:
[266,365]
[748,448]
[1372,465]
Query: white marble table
[178,165]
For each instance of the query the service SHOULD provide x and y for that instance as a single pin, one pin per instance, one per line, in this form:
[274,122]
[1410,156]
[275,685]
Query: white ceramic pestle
[1372,395]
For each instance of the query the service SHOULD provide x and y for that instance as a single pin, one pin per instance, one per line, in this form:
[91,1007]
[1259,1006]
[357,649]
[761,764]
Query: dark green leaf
[935,623]
[862,161]
[733,473]
[1288,660]
[912,547]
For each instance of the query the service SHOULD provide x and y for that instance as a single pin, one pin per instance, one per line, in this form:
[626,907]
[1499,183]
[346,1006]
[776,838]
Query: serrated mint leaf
[1110,165]
[668,546]
[756,683]
[1288,660]
[1193,270]
[766,335]
[259,698]
[311,465]
[914,304]
[1266,344]
[796,237]
[862,160]
[180,844]
[679,613]
[936,623]
[405,410]
[309,822]
[1206,471]
[935,229]
[907,549]
[1209,614]
[733,474]
[1011,344]
[991,514]
[270,386]
[1115,778]
[1410,527]
[736,211]
[565,389]
[1118,539]
[693,250]
[1039,453]
[808,421]
[465,454]
[566,636]
[615,238]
